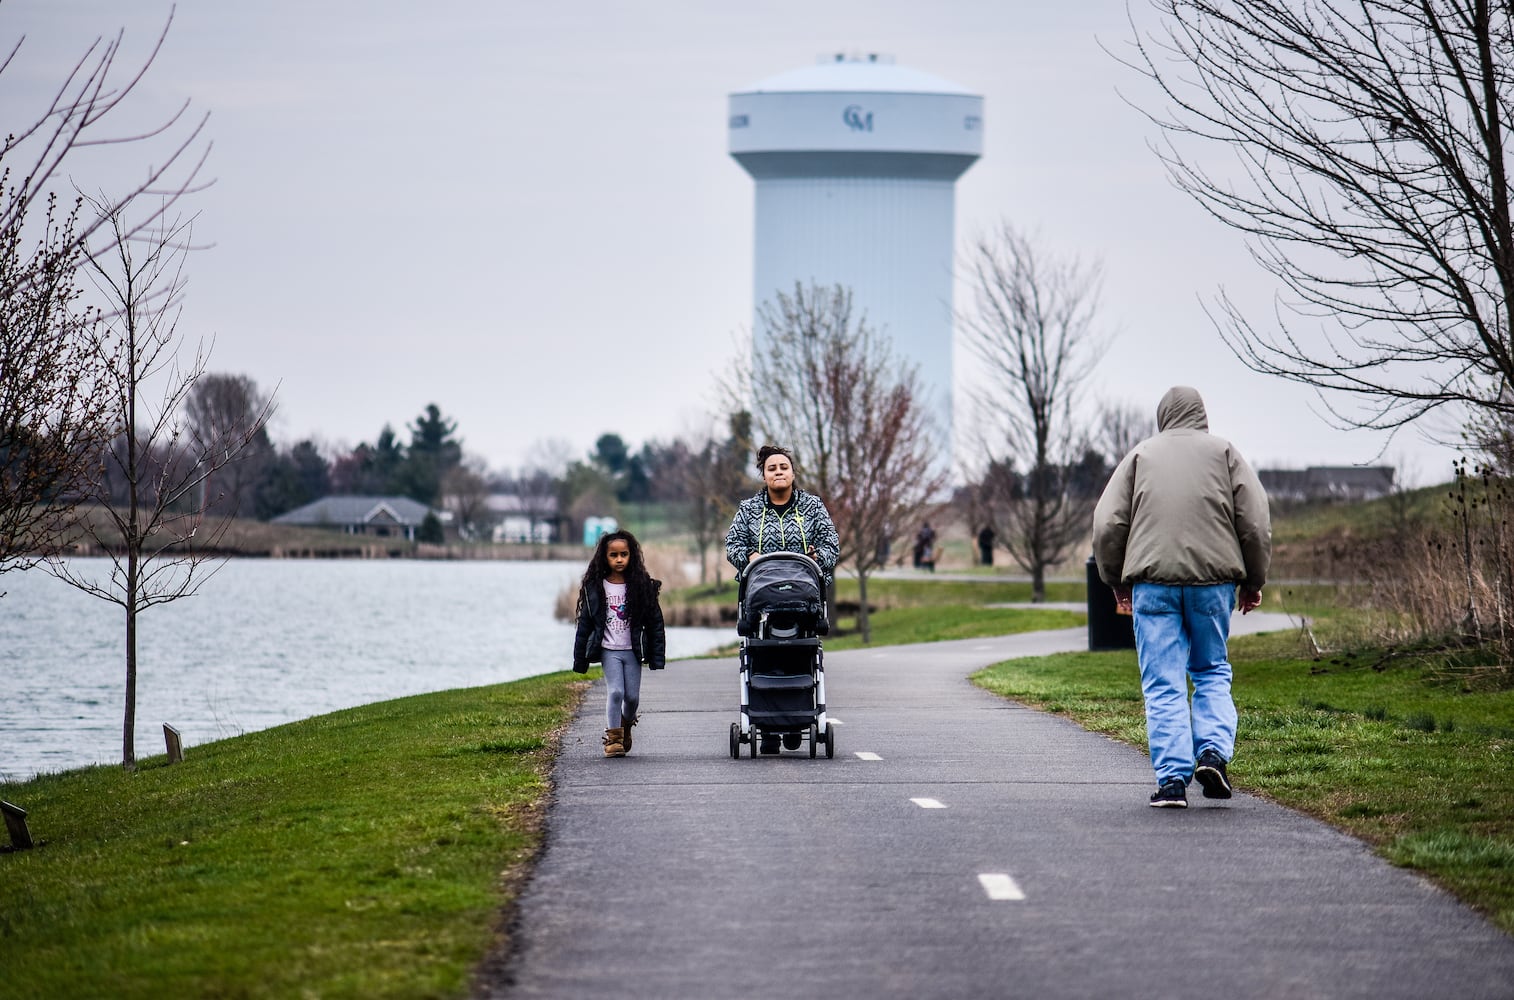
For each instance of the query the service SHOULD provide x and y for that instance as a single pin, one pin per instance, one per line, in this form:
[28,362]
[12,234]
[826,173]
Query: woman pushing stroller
[781,518]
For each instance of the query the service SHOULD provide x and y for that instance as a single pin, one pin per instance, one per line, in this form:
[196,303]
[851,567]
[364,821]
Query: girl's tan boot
[625,727]
[613,745]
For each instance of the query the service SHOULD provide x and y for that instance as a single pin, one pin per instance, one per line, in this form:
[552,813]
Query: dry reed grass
[1441,590]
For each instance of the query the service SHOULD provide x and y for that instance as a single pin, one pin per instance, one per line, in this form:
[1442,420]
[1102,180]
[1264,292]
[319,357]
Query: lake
[266,642]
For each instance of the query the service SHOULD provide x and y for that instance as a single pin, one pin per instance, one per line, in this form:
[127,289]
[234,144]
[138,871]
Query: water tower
[856,162]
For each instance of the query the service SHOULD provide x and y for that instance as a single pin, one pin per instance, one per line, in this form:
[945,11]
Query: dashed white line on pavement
[1000,886]
[832,718]
[867,755]
[929,803]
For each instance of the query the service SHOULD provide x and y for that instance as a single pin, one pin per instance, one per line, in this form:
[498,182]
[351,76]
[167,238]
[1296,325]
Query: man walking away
[1181,526]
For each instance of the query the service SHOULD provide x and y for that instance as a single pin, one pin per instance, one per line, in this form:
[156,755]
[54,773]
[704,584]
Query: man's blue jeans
[1181,633]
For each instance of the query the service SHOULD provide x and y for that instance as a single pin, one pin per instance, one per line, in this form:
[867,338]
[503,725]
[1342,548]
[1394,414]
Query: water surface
[266,642]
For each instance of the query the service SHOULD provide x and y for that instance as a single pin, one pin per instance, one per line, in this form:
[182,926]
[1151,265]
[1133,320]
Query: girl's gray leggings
[623,678]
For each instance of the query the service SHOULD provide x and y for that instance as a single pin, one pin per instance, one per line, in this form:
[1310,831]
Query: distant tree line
[696,479]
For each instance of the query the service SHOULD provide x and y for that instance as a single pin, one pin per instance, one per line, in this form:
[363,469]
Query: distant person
[986,545]
[781,518]
[925,547]
[620,626]
[1181,532]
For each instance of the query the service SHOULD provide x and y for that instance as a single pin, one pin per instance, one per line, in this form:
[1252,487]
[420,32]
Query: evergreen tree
[430,530]
[434,452]
[292,479]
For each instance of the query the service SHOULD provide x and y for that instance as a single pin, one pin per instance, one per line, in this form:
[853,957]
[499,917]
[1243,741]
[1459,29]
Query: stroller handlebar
[782,555]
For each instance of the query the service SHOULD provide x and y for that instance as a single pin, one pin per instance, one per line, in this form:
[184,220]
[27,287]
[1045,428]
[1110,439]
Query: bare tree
[1372,145]
[829,386]
[714,480]
[51,402]
[84,104]
[1122,426]
[221,408]
[1031,327]
[539,484]
[160,540]
[52,409]
[1491,434]
[465,492]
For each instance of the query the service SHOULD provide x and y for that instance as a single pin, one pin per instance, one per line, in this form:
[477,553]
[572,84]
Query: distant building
[1328,482]
[523,519]
[381,517]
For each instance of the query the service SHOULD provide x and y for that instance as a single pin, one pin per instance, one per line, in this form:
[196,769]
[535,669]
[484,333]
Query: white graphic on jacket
[617,617]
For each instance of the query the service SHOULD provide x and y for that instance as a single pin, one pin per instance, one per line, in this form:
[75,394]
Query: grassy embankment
[366,853]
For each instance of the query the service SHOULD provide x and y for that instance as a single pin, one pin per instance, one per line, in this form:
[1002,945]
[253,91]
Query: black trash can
[1107,628]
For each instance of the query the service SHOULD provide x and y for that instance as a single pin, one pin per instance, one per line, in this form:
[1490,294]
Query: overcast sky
[525,213]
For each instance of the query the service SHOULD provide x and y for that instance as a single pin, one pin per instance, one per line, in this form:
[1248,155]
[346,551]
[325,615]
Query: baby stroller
[780,618]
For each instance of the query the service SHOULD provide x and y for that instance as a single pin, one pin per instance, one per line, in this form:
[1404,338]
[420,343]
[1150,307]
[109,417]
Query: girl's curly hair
[641,589]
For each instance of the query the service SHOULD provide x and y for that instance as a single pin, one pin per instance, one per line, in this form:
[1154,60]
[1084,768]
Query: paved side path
[679,872]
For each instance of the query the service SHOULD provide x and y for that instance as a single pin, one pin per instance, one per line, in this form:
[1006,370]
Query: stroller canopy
[786,583]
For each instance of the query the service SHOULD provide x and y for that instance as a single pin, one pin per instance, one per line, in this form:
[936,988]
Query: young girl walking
[620,626]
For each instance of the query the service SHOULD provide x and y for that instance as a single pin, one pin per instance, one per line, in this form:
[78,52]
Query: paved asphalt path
[679,872]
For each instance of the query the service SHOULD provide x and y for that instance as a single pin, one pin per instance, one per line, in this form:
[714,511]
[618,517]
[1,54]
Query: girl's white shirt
[617,617]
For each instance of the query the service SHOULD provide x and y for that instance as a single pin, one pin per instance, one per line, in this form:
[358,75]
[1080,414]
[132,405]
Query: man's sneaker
[1211,774]
[1172,795]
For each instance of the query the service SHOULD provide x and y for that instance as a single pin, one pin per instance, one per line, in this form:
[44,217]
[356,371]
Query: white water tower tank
[856,162]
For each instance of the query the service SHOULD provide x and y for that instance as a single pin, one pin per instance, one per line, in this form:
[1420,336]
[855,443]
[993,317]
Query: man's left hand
[1250,599]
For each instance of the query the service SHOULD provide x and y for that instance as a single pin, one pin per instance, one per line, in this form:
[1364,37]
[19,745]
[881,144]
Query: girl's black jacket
[648,641]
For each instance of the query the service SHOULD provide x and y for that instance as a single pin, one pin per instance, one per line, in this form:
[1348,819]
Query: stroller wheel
[814,739]
[735,740]
[830,741]
[753,738]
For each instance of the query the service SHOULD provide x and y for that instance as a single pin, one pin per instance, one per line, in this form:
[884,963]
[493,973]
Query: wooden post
[15,824]
[175,746]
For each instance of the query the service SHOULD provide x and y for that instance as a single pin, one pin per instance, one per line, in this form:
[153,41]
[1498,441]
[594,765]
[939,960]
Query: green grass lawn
[927,623]
[1415,760]
[365,853]
[896,592]
[923,610]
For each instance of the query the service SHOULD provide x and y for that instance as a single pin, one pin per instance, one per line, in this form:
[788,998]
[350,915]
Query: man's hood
[1182,407]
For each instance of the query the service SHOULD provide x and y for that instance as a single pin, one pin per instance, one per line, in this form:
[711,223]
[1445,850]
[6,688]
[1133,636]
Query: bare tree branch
[52,407]
[83,104]
[1370,141]
[53,353]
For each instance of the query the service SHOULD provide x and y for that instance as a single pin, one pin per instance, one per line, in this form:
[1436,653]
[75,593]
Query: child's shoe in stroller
[613,745]
[625,727]
[769,743]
